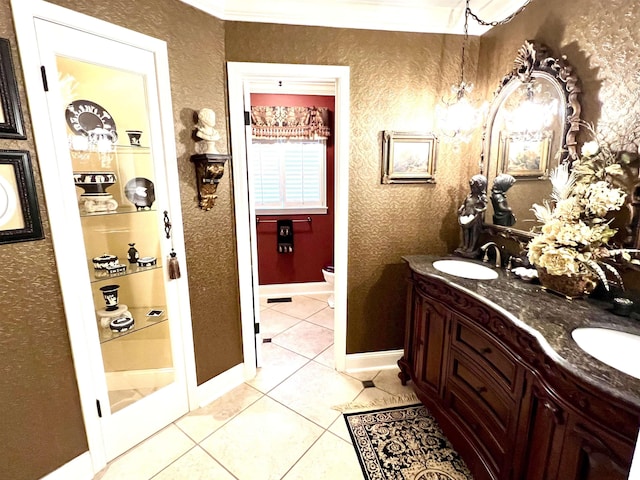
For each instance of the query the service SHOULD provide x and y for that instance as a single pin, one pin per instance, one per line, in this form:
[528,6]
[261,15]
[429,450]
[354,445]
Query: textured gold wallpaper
[601,41]
[396,79]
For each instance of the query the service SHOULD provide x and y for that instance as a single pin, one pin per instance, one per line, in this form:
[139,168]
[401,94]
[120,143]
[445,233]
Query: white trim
[220,384]
[289,289]
[240,79]
[357,362]
[292,87]
[399,15]
[292,211]
[80,468]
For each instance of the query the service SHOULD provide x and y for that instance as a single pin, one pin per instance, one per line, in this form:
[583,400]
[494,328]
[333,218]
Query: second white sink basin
[619,350]
[461,268]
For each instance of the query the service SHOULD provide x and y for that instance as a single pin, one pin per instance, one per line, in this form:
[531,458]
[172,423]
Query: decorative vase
[570,286]
[132,253]
[134,137]
[110,294]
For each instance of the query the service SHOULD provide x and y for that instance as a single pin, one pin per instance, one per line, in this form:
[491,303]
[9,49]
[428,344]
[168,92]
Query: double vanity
[503,366]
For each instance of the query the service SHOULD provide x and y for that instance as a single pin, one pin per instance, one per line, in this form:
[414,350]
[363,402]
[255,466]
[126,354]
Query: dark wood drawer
[486,352]
[491,399]
[472,420]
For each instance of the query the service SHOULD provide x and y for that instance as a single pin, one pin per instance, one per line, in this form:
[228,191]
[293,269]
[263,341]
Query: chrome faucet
[485,249]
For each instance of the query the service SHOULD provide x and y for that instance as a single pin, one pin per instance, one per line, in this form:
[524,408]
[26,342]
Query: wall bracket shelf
[209,171]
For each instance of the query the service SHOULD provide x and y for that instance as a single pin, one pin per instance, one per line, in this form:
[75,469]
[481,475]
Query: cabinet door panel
[429,348]
[544,439]
[592,454]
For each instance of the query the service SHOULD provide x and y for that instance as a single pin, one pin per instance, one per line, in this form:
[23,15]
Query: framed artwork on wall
[524,156]
[408,157]
[11,125]
[19,213]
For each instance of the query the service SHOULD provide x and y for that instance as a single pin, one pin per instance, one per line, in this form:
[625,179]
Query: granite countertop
[550,318]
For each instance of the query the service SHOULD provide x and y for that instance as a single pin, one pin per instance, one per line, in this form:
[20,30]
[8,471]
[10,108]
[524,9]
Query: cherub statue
[205,130]
[502,213]
[471,216]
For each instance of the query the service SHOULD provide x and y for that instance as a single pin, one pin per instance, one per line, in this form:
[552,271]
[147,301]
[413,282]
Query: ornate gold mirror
[530,129]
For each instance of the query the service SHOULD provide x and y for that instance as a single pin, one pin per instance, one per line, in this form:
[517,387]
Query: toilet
[327,273]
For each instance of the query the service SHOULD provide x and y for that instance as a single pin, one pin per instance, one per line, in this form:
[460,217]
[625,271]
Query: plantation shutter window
[289,176]
[288,159]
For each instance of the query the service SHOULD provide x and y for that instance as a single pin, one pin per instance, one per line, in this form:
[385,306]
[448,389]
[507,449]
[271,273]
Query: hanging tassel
[174,266]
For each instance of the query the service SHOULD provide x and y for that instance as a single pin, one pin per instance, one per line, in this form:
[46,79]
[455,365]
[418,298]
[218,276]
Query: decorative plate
[140,192]
[84,116]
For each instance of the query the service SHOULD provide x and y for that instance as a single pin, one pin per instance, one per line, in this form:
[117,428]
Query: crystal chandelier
[457,116]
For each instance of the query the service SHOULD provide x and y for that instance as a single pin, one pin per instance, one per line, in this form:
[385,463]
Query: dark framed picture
[11,125]
[408,157]
[19,213]
[524,156]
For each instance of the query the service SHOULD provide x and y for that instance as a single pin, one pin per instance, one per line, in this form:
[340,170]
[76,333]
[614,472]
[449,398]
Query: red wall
[313,242]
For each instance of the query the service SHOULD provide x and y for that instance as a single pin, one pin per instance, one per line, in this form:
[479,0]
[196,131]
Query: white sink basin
[619,350]
[461,268]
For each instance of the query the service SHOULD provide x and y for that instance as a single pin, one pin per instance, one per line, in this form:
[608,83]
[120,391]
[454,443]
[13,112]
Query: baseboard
[356,362]
[219,385]
[80,468]
[287,289]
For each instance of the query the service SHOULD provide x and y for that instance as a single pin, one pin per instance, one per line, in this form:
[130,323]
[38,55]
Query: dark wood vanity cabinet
[509,410]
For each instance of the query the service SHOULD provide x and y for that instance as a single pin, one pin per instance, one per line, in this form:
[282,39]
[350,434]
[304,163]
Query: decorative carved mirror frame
[536,57]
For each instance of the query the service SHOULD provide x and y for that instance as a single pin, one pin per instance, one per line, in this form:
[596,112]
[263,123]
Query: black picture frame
[19,212]
[11,123]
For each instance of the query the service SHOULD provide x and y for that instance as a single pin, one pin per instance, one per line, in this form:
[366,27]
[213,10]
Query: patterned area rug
[403,443]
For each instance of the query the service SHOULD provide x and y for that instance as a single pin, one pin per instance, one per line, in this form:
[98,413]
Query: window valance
[290,122]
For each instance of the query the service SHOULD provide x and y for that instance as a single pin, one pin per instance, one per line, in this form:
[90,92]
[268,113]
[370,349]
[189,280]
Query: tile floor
[279,425]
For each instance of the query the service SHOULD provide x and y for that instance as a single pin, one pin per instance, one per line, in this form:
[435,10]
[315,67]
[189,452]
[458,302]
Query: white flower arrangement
[575,232]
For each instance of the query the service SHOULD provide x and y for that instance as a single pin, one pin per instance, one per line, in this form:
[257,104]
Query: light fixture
[457,116]
[534,113]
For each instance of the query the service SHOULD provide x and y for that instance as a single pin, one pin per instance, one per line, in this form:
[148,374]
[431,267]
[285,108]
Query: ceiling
[433,16]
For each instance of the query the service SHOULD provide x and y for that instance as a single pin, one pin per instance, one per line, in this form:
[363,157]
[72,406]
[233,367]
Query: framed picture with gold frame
[19,213]
[524,155]
[408,157]
[11,125]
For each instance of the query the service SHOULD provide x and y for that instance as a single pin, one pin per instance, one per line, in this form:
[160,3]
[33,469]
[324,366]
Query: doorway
[244,79]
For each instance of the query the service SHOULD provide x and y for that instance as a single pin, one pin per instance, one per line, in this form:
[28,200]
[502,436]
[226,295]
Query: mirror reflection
[530,129]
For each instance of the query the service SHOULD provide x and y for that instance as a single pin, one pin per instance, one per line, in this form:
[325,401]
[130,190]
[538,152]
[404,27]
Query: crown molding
[422,16]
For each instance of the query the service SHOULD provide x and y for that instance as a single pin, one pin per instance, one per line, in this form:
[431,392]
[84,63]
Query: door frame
[24,14]
[240,75]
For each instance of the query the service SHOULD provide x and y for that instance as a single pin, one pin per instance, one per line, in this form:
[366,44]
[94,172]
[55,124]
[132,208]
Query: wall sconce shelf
[209,171]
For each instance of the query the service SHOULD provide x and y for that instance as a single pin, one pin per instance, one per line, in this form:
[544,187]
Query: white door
[103,104]
[252,225]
